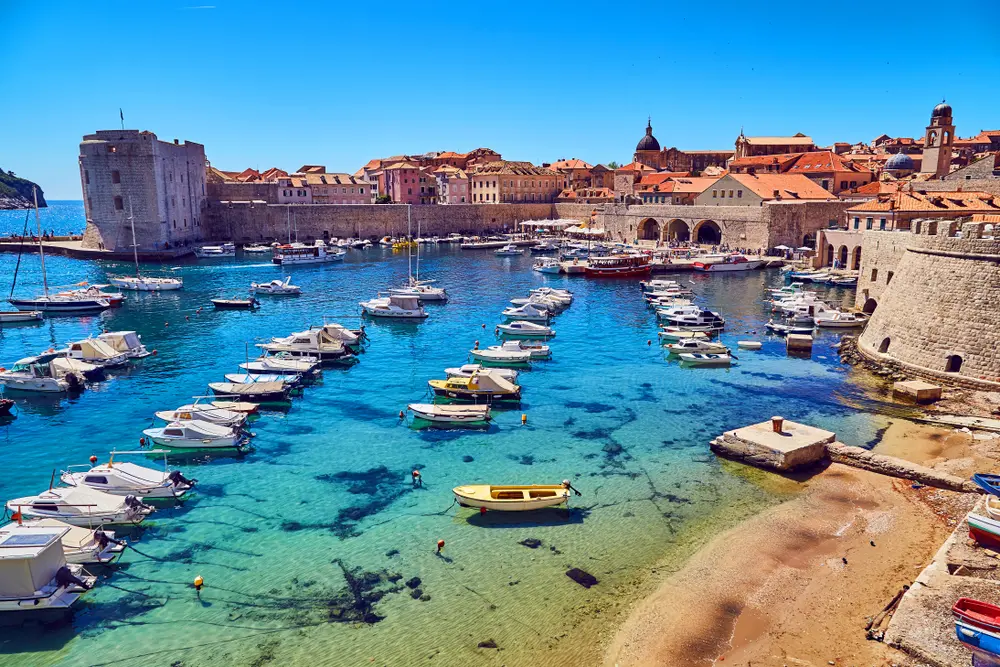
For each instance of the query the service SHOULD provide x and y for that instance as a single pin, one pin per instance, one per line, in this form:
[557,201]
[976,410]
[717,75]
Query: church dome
[899,162]
[942,109]
[648,142]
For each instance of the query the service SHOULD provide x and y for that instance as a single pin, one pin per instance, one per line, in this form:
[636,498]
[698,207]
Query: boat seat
[508,495]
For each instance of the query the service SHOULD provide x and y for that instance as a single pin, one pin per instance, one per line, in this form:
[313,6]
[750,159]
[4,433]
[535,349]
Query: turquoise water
[327,491]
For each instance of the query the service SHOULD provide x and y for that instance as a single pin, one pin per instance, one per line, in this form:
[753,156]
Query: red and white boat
[984,530]
[618,266]
[978,613]
[730,263]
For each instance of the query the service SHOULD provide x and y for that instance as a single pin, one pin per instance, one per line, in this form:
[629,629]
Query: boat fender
[402,415]
[649,342]
[64,577]
[482,510]
[166,324]
[416,478]
[93,459]
[476,346]
[135,504]
[142,442]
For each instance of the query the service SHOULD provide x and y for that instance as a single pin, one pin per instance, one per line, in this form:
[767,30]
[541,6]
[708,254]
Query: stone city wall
[880,254]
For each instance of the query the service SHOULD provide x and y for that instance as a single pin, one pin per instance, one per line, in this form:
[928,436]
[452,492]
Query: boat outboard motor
[103,540]
[64,577]
[73,380]
[177,479]
[135,504]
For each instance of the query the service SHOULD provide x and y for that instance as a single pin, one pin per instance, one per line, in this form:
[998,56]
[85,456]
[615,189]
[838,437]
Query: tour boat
[701,359]
[317,343]
[468,370]
[235,304]
[749,344]
[97,352]
[276,287]
[496,355]
[256,249]
[509,250]
[127,342]
[20,316]
[123,479]
[35,374]
[81,506]
[676,334]
[395,307]
[520,329]
[194,435]
[618,266]
[259,392]
[204,412]
[300,253]
[527,313]
[482,386]
[34,574]
[510,498]
[210,251]
[84,546]
[730,263]
[280,364]
[836,319]
[696,345]
[451,414]
[421,290]
[547,265]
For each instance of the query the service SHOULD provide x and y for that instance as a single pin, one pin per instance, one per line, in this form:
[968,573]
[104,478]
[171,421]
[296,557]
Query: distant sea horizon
[62,216]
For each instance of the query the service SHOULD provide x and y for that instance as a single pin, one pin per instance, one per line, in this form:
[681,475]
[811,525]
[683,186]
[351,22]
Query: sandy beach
[796,584]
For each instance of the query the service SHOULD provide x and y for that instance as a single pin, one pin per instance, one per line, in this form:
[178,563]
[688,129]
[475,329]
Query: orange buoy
[401,415]
[482,510]
[524,418]
[198,583]
[93,459]
[440,545]
[142,442]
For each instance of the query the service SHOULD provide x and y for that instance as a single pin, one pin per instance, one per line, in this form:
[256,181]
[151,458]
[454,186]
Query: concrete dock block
[797,445]
[917,390]
[798,343]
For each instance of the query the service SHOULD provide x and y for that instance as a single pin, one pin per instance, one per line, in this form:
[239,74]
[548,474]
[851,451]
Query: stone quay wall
[939,316]
[880,254]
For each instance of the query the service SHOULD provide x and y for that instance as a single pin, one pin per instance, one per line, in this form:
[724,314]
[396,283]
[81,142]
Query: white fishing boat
[749,344]
[512,498]
[561,295]
[509,250]
[730,263]
[256,249]
[704,320]
[527,313]
[276,287]
[213,251]
[468,370]
[786,291]
[281,364]
[205,412]
[451,414]
[519,329]
[194,435]
[34,573]
[34,374]
[123,478]
[81,506]
[421,290]
[547,265]
[696,345]
[20,316]
[352,338]
[835,319]
[95,351]
[496,355]
[658,284]
[705,359]
[316,343]
[785,329]
[537,350]
[261,378]
[394,307]
[257,392]
[127,342]
[300,253]
[806,310]
[84,546]
[675,334]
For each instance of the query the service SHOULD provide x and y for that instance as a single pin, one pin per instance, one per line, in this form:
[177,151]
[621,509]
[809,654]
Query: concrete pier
[787,447]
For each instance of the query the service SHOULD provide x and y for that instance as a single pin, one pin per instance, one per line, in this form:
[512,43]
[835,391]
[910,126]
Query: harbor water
[316,548]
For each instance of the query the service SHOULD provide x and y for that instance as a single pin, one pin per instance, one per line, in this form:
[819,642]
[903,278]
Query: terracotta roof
[911,200]
[574,163]
[634,166]
[780,161]
[401,165]
[661,176]
[727,151]
[822,162]
[693,185]
[568,193]
[333,179]
[513,167]
[878,187]
[787,186]
[311,169]
[451,154]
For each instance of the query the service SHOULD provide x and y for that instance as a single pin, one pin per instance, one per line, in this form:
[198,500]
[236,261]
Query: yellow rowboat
[512,498]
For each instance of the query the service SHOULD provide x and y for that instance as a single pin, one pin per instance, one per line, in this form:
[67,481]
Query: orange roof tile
[574,163]
[787,186]
[916,201]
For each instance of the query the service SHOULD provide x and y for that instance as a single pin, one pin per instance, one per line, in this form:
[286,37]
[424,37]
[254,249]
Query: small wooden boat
[20,316]
[707,360]
[235,304]
[451,414]
[988,483]
[673,334]
[749,344]
[785,329]
[978,613]
[985,531]
[512,498]
[977,625]
[260,392]
[482,386]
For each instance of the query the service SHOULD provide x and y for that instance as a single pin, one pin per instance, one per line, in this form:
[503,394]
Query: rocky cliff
[15,192]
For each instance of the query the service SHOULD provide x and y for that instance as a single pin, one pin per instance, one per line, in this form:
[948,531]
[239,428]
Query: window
[116,176]
[730,194]
[874,275]
[857,223]
[888,278]
[881,223]
[715,194]
[884,347]
[95,479]
[86,176]
[953,364]
[409,191]
[854,184]
[739,194]
[175,224]
[825,184]
[185,223]
[119,204]
[868,223]
[843,185]
[182,178]
[112,149]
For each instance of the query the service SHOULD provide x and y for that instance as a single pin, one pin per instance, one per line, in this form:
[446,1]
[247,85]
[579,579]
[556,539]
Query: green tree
[613,165]
[383,199]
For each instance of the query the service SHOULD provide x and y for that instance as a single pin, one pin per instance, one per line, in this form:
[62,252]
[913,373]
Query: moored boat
[276,287]
[512,498]
[80,545]
[194,435]
[451,414]
[730,263]
[235,304]
[707,360]
[213,251]
[126,342]
[483,386]
[547,265]
[528,312]
[394,307]
[300,253]
[20,316]
[618,266]
[835,319]
[34,574]
[206,412]
[522,329]
[123,478]
[258,392]
[467,370]
[675,333]
[97,352]
[81,506]
[509,250]
[696,345]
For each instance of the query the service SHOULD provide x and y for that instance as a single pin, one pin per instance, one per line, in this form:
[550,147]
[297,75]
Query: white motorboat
[497,355]
[730,263]
[534,350]
[806,310]
[749,344]
[34,374]
[194,434]
[261,378]
[276,288]
[394,307]
[256,249]
[71,370]
[95,351]
[704,359]
[544,248]
[281,364]
[123,479]
[527,313]
[20,316]
[704,320]
[422,290]
[141,283]
[696,345]
[541,302]
[81,506]
[316,343]
[84,546]
[205,412]
[785,329]
[519,329]
[210,251]
[509,250]
[677,310]
[658,284]
[562,295]
[468,370]
[352,338]
[675,334]
[300,253]
[835,319]
[547,265]
[451,414]
[34,573]
[127,342]
[787,291]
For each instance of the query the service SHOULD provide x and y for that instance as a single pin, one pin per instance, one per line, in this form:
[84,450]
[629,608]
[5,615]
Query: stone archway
[828,260]
[678,230]
[809,241]
[649,230]
[856,259]
[708,232]
[870,306]
[842,257]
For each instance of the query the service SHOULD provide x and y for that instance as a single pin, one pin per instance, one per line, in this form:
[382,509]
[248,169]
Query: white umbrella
[781,247]
[804,249]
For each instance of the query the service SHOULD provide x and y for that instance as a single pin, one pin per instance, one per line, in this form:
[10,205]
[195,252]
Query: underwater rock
[489,643]
[425,597]
[413,583]
[467,459]
[394,577]
[392,552]
[416,593]
[581,577]
[531,542]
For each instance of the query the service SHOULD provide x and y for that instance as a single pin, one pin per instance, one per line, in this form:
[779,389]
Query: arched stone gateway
[708,232]
[649,230]
[828,260]
[677,230]
[856,259]
[870,306]
[809,241]
[842,256]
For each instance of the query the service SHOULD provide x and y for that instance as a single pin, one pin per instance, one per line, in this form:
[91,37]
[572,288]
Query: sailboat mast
[135,248]
[41,250]
[409,248]
[418,250]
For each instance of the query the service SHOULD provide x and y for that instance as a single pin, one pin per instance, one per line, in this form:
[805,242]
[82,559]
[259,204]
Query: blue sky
[285,84]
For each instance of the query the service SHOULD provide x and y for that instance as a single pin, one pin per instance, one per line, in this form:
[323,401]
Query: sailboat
[140,282]
[414,286]
[64,302]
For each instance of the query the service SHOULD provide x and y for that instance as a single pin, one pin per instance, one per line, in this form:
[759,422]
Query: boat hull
[476,395]
[14,317]
[68,306]
[146,284]
[472,496]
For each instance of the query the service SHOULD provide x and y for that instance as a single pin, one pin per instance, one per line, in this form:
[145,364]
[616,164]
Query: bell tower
[938,142]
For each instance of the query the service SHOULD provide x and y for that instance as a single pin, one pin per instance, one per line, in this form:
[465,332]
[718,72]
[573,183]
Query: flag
[121,114]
